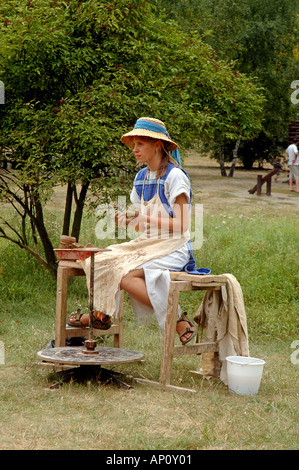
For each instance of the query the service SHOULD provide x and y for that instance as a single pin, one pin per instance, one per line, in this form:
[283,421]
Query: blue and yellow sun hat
[150,127]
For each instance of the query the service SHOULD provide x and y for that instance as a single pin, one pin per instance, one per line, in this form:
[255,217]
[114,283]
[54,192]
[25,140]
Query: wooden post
[259,185]
[269,182]
[261,180]
[91,289]
[118,341]
[63,273]
[61,307]
[169,335]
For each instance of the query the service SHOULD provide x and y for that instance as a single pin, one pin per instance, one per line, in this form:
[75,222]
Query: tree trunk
[44,236]
[222,165]
[235,156]
[68,209]
[79,210]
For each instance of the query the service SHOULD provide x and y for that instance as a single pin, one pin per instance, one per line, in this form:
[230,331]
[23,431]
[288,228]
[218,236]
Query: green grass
[262,253]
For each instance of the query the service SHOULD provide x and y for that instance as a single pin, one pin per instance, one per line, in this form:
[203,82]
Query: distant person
[293,162]
[277,165]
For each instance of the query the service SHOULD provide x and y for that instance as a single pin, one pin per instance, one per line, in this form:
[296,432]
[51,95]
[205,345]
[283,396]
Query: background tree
[77,76]
[261,38]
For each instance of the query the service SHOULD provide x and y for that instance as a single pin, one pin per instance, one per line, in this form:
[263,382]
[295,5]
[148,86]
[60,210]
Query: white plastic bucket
[244,374]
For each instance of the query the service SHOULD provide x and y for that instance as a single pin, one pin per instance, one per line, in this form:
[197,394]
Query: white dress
[156,271]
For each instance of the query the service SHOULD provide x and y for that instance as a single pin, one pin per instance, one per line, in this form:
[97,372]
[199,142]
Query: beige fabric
[222,316]
[294,172]
[111,266]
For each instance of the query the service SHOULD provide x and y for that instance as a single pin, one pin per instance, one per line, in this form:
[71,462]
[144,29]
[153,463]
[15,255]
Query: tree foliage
[77,75]
[261,38]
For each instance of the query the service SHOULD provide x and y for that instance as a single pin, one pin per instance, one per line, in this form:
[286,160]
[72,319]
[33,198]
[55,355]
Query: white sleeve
[177,183]
[134,198]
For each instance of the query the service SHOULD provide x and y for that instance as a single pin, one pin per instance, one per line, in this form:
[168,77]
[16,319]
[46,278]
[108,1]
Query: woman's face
[144,149]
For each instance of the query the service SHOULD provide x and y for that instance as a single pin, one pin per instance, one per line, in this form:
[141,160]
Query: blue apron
[149,188]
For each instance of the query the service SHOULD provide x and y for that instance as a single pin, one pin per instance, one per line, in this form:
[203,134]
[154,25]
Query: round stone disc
[75,356]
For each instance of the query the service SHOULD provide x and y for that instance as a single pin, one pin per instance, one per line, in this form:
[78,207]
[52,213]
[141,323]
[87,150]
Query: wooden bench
[180,282]
[67,269]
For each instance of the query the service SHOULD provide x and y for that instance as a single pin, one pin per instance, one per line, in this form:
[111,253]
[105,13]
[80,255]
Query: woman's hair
[166,158]
[164,161]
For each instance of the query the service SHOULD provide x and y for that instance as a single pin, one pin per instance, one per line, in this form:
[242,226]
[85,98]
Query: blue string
[175,154]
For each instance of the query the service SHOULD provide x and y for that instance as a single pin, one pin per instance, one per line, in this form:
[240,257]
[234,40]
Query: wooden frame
[68,269]
[180,281]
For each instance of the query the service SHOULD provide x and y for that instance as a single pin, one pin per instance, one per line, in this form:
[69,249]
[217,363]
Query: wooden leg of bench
[61,307]
[169,335]
[118,339]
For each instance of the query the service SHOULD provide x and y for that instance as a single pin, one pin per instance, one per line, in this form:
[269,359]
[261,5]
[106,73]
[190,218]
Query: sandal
[77,322]
[102,323]
[192,329]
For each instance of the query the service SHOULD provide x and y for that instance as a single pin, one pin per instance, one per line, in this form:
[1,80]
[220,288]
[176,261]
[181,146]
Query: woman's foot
[186,329]
[78,319]
[180,328]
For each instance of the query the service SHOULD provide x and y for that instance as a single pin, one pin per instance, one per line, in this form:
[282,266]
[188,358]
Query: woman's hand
[137,221]
[123,219]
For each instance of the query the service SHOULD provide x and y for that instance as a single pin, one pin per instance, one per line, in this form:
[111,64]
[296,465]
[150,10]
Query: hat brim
[127,139]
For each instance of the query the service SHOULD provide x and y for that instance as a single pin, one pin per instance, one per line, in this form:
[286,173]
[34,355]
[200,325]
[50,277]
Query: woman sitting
[162,194]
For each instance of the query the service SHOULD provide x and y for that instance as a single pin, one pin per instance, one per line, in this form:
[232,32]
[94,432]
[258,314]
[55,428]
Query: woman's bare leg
[134,284]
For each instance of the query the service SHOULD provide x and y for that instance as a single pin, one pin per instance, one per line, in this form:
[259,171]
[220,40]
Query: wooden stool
[68,269]
[182,281]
